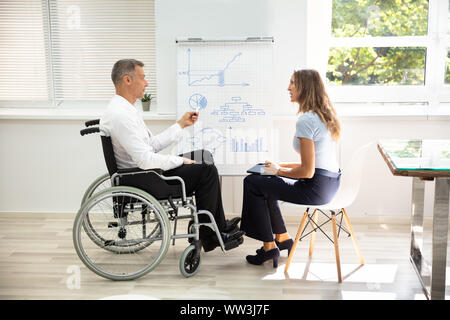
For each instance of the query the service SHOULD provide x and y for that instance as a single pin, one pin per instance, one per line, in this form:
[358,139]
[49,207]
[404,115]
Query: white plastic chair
[346,194]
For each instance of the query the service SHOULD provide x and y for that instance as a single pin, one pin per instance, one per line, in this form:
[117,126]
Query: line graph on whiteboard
[207,77]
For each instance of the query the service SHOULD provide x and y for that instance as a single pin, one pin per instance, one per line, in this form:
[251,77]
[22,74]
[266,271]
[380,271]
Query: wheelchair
[122,232]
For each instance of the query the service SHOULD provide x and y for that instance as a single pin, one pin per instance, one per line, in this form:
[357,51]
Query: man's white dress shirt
[133,143]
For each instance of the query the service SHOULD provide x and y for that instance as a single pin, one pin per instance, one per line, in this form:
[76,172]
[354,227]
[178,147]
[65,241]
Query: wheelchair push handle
[92,122]
[89,130]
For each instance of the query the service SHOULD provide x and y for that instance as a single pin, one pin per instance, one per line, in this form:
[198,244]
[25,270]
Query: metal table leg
[440,233]
[418,261]
[431,276]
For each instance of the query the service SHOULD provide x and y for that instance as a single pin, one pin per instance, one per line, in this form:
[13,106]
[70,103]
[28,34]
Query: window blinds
[87,37]
[24,60]
[65,49]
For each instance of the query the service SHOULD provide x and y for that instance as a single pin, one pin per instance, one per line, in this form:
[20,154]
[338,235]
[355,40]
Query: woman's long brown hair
[313,97]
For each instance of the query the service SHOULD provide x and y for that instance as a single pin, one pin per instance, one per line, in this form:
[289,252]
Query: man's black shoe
[230,225]
[211,243]
[234,243]
[227,237]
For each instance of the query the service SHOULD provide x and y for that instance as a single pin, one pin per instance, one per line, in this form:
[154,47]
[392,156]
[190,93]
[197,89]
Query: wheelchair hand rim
[118,191]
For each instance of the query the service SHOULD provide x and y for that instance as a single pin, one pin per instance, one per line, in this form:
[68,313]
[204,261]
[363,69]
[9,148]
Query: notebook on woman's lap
[257,169]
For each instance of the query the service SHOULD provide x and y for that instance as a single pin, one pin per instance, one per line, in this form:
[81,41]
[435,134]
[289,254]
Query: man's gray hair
[123,67]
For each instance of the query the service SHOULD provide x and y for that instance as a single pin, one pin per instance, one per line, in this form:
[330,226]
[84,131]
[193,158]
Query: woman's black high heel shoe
[262,256]
[286,244]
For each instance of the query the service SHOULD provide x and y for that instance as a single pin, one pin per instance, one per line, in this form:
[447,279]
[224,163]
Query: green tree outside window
[447,73]
[378,65]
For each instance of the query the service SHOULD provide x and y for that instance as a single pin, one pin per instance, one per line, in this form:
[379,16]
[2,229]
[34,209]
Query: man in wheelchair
[135,146]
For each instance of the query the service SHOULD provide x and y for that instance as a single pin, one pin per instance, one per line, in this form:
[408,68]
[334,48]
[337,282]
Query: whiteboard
[230,84]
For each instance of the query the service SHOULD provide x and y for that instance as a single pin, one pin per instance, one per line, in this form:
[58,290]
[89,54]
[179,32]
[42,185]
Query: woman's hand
[271,168]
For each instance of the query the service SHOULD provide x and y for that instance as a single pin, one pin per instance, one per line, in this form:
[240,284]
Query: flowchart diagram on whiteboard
[230,84]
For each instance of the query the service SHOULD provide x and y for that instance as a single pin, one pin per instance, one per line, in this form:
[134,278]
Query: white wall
[45,165]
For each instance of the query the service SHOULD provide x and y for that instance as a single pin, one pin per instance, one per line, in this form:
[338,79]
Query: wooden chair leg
[297,238]
[336,247]
[355,243]
[313,235]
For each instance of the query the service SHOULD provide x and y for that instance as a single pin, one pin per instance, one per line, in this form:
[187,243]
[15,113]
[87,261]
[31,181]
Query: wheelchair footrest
[233,244]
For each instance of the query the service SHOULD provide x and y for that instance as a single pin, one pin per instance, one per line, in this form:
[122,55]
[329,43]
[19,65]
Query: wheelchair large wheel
[127,219]
[101,183]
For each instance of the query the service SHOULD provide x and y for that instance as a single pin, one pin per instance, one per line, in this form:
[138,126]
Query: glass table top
[418,154]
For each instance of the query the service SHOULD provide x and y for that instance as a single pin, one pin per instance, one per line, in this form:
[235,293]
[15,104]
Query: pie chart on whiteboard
[197,102]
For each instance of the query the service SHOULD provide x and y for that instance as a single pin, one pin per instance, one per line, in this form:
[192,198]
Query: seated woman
[314,180]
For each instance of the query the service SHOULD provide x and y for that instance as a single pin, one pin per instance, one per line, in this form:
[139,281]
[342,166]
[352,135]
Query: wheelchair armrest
[157,172]
[137,171]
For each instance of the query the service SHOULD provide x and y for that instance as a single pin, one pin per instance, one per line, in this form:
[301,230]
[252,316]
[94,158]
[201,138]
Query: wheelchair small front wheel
[190,261]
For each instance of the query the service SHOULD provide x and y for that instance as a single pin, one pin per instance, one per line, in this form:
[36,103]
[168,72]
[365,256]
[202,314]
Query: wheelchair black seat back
[122,230]
[108,153]
[135,177]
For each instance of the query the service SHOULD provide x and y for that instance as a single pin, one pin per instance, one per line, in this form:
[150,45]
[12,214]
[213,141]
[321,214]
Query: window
[392,51]
[71,46]
[24,50]
[376,66]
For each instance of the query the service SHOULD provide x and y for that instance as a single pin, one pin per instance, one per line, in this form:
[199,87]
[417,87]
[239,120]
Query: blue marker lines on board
[197,77]
[239,144]
[197,102]
[236,111]
[207,138]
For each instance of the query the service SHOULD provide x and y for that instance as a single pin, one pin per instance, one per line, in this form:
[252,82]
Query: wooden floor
[38,261]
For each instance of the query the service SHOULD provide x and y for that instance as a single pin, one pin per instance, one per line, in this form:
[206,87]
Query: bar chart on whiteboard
[230,85]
